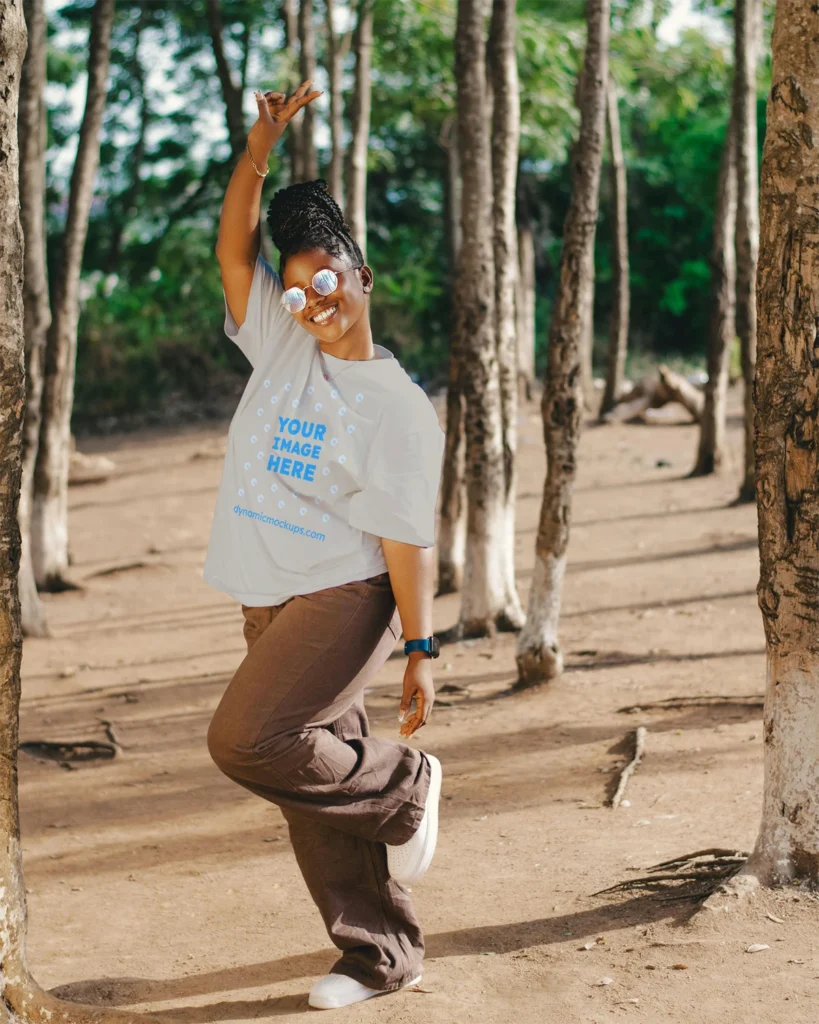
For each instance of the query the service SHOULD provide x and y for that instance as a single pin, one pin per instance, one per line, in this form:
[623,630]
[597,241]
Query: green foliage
[151,327]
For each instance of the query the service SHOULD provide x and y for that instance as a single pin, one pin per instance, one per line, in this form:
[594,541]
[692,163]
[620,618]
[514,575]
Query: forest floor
[157,884]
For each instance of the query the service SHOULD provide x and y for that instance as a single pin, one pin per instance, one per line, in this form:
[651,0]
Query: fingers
[419,716]
[307,99]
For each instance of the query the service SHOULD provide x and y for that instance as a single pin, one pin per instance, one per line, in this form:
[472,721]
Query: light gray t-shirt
[316,470]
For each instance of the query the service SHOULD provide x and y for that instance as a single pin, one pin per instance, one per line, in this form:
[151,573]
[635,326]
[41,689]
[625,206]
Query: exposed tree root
[639,748]
[693,876]
[26,1003]
[65,753]
[706,701]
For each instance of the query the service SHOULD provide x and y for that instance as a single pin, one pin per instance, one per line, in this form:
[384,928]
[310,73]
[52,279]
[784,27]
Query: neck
[357,343]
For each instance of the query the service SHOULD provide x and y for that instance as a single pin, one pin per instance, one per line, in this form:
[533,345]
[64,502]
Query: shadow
[131,499]
[504,938]
[746,544]
[661,514]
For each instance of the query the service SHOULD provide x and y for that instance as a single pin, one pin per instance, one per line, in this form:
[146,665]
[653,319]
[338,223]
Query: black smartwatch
[429,644]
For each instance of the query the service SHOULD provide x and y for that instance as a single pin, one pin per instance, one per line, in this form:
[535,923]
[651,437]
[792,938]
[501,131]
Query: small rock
[606,981]
[756,947]
[68,671]
[643,821]
[774,918]
[625,803]
[679,967]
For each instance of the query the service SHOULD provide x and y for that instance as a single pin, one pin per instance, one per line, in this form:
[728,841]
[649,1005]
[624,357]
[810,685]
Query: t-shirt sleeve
[266,317]
[400,495]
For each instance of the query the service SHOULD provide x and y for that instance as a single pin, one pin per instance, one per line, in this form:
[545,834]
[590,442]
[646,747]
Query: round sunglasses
[325,282]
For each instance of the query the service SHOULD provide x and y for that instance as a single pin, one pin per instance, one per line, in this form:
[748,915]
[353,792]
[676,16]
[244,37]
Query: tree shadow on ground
[499,939]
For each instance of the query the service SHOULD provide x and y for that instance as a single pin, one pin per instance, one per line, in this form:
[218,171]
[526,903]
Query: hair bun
[300,215]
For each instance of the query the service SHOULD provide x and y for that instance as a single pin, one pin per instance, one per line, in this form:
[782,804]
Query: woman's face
[337,312]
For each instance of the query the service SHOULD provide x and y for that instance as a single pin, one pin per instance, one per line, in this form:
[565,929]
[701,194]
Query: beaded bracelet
[255,168]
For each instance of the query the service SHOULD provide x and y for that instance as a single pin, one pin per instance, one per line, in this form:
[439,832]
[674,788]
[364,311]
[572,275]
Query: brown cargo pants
[291,727]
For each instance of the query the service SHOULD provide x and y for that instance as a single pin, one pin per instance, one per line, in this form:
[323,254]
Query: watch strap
[429,644]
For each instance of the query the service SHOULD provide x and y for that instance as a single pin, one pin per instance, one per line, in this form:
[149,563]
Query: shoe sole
[433,799]
[335,1006]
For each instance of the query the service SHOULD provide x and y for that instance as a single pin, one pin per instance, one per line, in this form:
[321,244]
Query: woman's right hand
[275,110]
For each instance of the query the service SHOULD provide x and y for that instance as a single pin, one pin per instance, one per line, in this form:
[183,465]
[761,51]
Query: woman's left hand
[418,684]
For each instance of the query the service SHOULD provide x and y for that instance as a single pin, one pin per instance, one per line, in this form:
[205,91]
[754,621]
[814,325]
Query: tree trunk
[334,57]
[21,1000]
[618,330]
[747,29]
[292,137]
[49,527]
[484,593]
[525,295]
[307,66]
[787,443]
[712,454]
[503,73]
[355,208]
[231,93]
[539,656]
[31,136]
[452,518]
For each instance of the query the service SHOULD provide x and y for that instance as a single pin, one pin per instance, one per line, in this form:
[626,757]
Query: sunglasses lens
[325,282]
[294,300]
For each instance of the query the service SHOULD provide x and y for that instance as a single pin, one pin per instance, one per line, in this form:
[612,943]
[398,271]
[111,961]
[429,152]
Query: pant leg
[368,915]
[305,671]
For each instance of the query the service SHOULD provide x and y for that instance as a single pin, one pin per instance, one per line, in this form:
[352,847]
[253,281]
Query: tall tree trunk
[49,525]
[618,330]
[712,454]
[307,66]
[293,135]
[539,657]
[747,30]
[787,447]
[123,207]
[355,208]
[525,295]
[334,57]
[21,1000]
[31,136]
[452,518]
[503,73]
[231,93]
[484,592]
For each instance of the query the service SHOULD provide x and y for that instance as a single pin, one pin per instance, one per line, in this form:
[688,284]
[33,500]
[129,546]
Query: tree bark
[307,66]
[452,517]
[231,93]
[49,527]
[618,329]
[747,28]
[525,296]
[334,58]
[355,208]
[31,135]
[21,1000]
[712,454]
[787,454]
[484,604]
[539,657]
[293,135]
[503,73]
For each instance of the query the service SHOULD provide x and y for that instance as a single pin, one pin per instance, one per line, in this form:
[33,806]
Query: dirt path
[157,884]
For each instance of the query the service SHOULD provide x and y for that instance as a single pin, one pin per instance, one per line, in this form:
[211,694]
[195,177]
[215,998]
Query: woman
[323,531]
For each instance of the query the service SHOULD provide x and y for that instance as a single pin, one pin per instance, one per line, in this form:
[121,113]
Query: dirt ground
[154,883]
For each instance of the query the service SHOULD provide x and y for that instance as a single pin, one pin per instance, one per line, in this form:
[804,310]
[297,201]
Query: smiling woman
[349,473]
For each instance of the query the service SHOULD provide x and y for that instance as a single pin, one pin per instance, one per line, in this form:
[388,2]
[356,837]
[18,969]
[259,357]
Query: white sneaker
[409,861]
[334,990]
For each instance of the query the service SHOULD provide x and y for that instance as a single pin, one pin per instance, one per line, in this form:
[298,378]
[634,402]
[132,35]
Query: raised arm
[237,244]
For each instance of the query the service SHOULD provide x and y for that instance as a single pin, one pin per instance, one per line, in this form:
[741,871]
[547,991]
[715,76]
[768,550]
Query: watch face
[436,647]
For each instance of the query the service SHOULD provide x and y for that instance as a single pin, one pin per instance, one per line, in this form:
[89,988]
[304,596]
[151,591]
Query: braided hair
[305,216]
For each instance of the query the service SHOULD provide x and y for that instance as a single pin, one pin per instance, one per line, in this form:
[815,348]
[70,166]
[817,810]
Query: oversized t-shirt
[317,471]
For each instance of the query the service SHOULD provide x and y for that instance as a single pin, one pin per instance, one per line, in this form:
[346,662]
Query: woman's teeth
[324,315]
